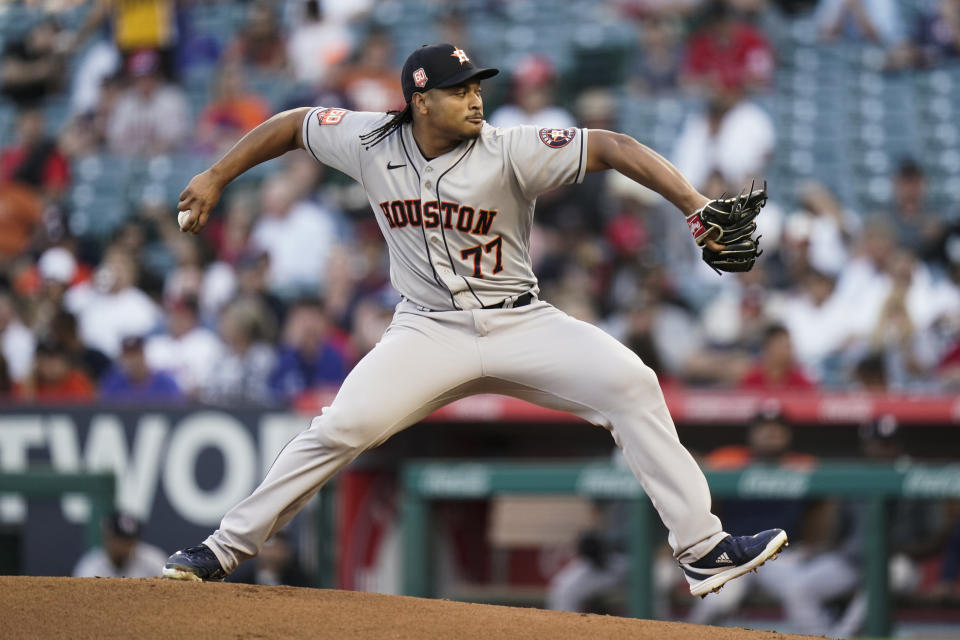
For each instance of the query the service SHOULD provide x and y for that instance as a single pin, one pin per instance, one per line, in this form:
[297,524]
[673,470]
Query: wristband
[697,228]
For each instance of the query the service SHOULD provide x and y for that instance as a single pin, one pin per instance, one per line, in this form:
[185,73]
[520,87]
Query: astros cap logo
[460,55]
[420,77]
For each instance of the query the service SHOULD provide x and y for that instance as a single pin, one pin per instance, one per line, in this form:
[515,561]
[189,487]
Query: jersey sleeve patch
[330,116]
[557,138]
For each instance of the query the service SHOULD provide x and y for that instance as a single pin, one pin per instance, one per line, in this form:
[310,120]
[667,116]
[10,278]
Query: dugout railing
[99,487]
[425,482]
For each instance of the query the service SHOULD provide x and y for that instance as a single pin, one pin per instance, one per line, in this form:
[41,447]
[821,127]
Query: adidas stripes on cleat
[732,557]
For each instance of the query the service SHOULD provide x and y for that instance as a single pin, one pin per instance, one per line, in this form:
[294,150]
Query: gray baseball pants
[428,359]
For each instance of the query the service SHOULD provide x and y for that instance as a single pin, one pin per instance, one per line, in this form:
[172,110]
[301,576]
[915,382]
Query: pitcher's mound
[126,608]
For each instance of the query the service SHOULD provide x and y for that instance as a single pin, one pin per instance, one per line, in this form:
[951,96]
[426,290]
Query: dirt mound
[126,608]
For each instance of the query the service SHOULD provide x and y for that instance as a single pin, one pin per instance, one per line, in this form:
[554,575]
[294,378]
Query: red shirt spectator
[33,160]
[776,368]
[51,168]
[948,370]
[54,378]
[729,53]
[30,170]
[760,378]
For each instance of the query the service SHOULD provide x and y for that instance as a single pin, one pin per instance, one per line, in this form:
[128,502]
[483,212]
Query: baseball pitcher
[454,198]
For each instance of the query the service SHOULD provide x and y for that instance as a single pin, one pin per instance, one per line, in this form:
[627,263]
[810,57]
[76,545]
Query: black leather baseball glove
[730,222]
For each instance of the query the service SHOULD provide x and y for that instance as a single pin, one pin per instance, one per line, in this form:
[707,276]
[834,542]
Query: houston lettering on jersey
[434,213]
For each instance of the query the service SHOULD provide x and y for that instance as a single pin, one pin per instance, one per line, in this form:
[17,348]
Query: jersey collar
[439,164]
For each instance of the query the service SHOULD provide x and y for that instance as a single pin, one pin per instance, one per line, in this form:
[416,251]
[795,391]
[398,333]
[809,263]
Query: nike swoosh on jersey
[391,167]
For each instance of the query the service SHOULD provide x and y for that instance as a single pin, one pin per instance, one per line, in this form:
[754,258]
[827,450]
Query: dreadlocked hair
[400,118]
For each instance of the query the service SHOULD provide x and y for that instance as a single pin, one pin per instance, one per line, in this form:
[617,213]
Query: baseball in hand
[182,218]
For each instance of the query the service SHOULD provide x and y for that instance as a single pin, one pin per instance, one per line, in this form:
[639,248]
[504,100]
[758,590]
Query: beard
[472,134]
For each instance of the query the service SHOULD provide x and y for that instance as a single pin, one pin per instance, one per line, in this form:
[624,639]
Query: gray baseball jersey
[457,226]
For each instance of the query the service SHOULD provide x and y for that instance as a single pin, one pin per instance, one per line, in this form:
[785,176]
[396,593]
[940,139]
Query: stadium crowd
[289,285]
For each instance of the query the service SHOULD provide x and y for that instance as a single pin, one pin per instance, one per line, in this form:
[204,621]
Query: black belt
[522,301]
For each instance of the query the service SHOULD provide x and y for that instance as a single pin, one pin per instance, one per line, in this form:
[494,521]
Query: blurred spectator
[16,341]
[876,21]
[934,37]
[111,306]
[233,112]
[769,440]
[145,24]
[230,234]
[817,320]
[728,53]
[647,326]
[6,382]
[123,554]
[260,45]
[31,171]
[944,254]
[242,372]
[298,235]
[658,8]
[863,282]
[950,567]
[276,564]
[186,350]
[656,66]
[54,377]
[56,269]
[532,97]
[896,305]
[32,68]
[870,373]
[187,276]
[312,353]
[594,570]
[918,529]
[372,81]
[948,369]
[908,351]
[348,11]
[253,271]
[131,379]
[732,136]
[776,368]
[601,565]
[88,132]
[95,66]
[453,25]
[914,224]
[316,44]
[63,330]
[830,226]
[34,160]
[151,117]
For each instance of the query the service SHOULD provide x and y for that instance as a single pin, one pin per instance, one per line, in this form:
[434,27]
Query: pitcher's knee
[352,431]
[637,382]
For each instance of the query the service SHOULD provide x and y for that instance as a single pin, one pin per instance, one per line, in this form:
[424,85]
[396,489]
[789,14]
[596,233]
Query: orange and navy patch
[330,116]
[556,138]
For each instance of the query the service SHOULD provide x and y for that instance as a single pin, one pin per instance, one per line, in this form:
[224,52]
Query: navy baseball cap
[122,525]
[439,65]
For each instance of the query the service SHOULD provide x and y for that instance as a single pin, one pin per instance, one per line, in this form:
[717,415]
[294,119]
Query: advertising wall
[177,470]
